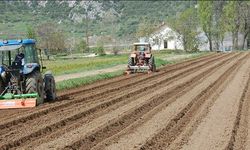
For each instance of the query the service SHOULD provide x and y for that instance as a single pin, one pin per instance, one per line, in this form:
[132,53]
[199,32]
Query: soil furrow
[138,136]
[218,126]
[149,105]
[38,134]
[67,104]
[197,118]
[100,84]
[177,125]
[239,132]
[143,93]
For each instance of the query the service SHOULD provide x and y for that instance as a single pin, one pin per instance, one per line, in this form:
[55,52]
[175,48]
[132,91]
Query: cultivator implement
[18,101]
[137,69]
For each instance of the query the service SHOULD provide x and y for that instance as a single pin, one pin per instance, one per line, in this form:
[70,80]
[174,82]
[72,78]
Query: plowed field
[197,104]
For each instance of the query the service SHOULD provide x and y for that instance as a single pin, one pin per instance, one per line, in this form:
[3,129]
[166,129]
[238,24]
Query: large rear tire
[34,84]
[1,86]
[50,87]
[131,61]
[151,63]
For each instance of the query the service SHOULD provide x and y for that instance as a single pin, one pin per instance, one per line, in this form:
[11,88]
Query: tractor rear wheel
[50,87]
[151,63]
[34,84]
[131,61]
[1,86]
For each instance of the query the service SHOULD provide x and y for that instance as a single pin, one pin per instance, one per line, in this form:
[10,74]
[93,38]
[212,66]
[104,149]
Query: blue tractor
[22,84]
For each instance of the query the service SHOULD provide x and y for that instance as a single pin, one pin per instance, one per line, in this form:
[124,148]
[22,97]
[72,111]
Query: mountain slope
[120,18]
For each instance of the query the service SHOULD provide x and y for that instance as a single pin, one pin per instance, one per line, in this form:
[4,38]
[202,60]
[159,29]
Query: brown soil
[197,104]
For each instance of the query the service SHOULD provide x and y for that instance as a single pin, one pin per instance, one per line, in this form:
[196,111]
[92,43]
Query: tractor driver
[19,59]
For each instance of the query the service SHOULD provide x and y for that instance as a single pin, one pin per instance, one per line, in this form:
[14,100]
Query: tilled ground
[197,104]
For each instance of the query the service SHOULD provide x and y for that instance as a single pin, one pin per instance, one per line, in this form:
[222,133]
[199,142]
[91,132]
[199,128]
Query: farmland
[196,104]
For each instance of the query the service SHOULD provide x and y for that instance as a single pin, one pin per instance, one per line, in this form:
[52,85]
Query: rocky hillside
[120,18]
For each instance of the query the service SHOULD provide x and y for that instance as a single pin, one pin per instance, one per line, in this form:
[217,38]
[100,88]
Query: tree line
[215,18]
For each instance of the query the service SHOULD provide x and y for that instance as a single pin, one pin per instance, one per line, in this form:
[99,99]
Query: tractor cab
[19,54]
[142,47]
[21,82]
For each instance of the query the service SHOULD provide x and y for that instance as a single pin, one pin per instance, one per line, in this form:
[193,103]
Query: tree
[205,13]
[145,28]
[232,20]
[109,20]
[185,24]
[81,46]
[57,42]
[51,38]
[100,48]
[218,23]
[87,9]
[245,20]
[31,33]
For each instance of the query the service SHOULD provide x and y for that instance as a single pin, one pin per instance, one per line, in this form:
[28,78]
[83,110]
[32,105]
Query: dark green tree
[205,14]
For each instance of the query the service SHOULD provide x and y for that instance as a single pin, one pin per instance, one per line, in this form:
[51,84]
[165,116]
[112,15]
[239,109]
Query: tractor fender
[30,67]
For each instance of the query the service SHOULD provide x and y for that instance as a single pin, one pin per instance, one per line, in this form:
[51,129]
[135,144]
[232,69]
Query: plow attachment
[18,101]
[134,69]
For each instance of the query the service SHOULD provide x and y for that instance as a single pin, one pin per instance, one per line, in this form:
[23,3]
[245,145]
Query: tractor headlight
[3,75]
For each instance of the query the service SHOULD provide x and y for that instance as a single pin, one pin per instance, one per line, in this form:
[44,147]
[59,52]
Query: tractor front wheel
[34,84]
[151,63]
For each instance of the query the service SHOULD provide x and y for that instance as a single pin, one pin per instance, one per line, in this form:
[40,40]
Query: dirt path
[197,104]
[89,73]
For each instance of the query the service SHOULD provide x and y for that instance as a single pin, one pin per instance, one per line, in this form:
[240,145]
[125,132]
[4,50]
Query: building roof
[17,42]
[142,43]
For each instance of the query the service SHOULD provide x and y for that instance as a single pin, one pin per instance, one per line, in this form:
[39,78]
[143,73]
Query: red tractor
[141,59]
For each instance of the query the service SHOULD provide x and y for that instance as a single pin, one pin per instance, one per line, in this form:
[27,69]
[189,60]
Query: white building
[166,38]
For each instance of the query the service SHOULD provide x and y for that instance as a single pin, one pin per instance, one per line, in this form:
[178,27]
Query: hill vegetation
[74,25]
[70,16]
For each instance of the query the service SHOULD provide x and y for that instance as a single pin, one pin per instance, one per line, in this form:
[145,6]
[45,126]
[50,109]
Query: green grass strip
[72,83]
[67,84]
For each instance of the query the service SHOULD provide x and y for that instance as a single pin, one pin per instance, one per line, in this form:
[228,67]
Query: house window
[165,44]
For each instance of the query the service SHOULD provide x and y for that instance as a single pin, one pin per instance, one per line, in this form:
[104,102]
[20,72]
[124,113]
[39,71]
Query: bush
[115,50]
[100,49]
[82,46]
